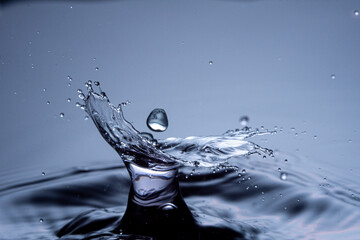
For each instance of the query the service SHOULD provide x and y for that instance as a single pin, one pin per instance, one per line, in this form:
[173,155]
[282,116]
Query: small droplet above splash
[96,83]
[333,76]
[157,120]
[41,220]
[47,102]
[97,69]
[244,120]
[283,176]
[43,173]
[211,62]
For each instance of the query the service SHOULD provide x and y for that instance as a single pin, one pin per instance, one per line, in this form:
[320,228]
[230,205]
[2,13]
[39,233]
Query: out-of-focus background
[290,64]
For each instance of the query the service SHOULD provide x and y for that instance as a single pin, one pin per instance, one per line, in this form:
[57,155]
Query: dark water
[234,188]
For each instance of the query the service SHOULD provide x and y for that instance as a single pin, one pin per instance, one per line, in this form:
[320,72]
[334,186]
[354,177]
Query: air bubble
[244,120]
[157,120]
[283,176]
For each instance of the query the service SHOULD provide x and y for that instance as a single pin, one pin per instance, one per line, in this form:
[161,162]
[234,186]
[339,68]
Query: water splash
[133,146]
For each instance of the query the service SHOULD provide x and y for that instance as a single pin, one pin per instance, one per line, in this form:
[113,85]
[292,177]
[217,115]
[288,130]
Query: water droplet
[244,120]
[285,160]
[97,69]
[279,169]
[356,12]
[86,118]
[147,135]
[48,102]
[333,76]
[77,104]
[292,129]
[43,173]
[69,84]
[210,62]
[97,83]
[157,120]
[79,91]
[315,137]
[62,115]
[41,220]
[283,176]
[44,89]
[81,96]
[68,100]
[243,171]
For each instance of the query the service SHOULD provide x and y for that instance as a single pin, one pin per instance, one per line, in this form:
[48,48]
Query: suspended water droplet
[62,115]
[97,69]
[47,102]
[86,118]
[69,84]
[81,96]
[41,220]
[210,62]
[77,104]
[43,173]
[333,76]
[356,12]
[68,100]
[243,171]
[97,83]
[285,160]
[157,120]
[279,169]
[244,120]
[315,137]
[283,176]
[44,89]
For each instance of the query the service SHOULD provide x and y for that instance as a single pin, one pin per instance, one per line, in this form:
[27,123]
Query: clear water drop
[41,220]
[157,120]
[96,83]
[44,89]
[210,62]
[97,69]
[356,12]
[77,104]
[81,96]
[62,115]
[86,118]
[333,76]
[315,137]
[47,102]
[243,171]
[43,173]
[283,176]
[244,120]
[79,91]
[68,100]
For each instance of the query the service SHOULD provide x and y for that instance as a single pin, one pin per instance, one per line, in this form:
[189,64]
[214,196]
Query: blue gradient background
[272,61]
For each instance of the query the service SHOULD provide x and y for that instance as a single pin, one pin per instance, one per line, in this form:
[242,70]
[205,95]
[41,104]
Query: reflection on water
[233,189]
